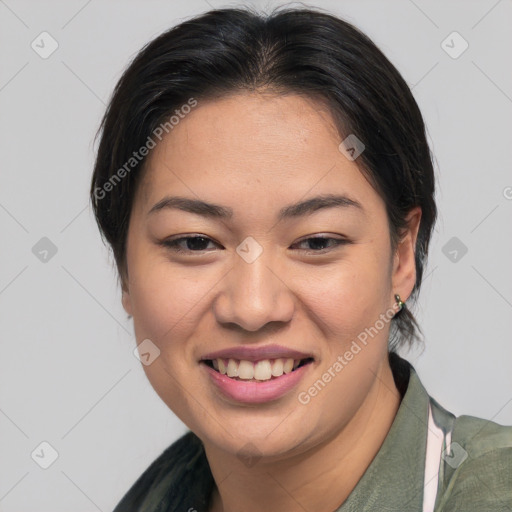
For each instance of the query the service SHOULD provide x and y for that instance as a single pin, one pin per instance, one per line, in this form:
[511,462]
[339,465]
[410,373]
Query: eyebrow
[296,210]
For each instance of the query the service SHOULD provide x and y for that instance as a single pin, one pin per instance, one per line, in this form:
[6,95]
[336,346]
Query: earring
[399,302]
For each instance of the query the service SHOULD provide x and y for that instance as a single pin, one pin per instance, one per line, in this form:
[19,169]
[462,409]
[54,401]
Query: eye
[192,244]
[318,243]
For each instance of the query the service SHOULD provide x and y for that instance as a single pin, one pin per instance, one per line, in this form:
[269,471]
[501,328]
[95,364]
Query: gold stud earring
[399,302]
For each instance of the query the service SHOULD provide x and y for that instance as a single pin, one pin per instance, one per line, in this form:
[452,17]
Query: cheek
[348,297]
[167,309]
[346,306]
[165,298]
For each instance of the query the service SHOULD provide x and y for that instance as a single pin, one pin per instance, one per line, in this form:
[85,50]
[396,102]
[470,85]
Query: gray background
[68,374]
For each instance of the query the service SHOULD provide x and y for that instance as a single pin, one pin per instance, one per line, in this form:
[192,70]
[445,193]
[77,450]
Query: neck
[320,479]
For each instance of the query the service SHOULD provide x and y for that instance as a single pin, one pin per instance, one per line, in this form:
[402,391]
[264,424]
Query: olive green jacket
[430,461]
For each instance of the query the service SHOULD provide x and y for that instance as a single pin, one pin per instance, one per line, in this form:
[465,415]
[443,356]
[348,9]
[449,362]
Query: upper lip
[250,353]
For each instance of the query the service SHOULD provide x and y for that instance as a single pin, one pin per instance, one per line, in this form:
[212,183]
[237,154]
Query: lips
[256,365]
[257,353]
[253,391]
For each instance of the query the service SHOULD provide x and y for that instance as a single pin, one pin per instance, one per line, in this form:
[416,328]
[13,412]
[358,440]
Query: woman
[267,189]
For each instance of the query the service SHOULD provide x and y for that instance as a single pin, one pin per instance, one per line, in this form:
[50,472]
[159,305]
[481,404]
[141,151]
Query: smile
[256,371]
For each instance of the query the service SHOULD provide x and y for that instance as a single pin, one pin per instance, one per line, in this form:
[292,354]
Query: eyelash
[173,244]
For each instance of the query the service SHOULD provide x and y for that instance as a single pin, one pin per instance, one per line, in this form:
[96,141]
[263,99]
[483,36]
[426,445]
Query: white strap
[435,439]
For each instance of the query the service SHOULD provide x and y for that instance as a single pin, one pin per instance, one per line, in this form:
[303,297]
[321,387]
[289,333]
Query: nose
[254,294]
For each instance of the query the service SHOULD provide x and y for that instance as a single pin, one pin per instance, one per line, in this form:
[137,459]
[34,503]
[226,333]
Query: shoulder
[478,473]
[171,480]
[482,436]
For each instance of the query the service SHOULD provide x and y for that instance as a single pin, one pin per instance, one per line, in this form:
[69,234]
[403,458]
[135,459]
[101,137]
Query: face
[255,280]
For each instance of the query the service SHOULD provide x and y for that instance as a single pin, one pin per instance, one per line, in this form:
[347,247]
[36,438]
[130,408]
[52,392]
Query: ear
[404,266]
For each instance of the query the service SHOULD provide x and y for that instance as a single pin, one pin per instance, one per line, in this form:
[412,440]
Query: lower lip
[252,392]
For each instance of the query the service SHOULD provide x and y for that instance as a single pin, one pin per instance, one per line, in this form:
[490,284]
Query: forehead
[251,126]
[253,149]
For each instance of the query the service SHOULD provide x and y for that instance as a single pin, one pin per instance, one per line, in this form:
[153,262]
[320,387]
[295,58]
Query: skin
[256,153]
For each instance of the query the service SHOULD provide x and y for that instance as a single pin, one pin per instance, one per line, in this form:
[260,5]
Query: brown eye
[320,243]
[188,244]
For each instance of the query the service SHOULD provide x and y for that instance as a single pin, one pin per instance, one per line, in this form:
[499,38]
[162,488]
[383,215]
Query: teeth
[246,370]
[277,368]
[232,369]
[261,370]
[288,366]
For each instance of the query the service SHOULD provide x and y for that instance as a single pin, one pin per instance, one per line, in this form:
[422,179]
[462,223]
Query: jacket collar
[394,479]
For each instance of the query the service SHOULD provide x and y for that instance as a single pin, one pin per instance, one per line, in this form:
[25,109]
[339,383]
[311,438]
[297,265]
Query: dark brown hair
[303,51]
